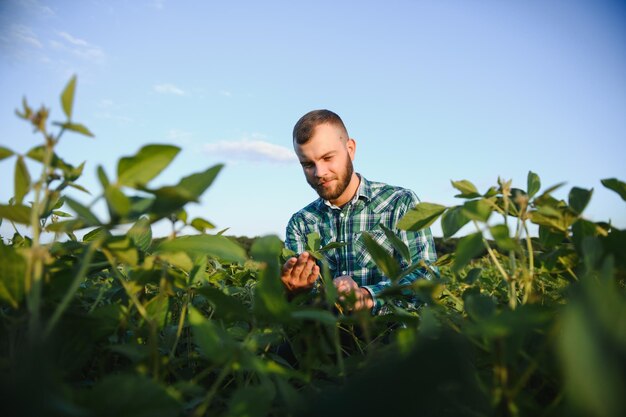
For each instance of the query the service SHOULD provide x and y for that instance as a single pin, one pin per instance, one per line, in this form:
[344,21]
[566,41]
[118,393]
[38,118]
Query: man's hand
[300,273]
[346,286]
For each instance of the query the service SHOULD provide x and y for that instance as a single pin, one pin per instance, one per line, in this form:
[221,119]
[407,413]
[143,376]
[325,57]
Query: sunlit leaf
[22,180]
[5,153]
[270,293]
[533,184]
[616,185]
[67,97]
[201,224]
[78,128]
[146,164]
[123,249]
[157,309]
[420,217]
[117,202]
[313,242]
[15,213]
[102,176]
[467,189]
[141,234]
[196,184]
[219,247]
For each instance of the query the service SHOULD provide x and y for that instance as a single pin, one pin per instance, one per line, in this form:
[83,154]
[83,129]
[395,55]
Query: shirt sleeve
[295,238]
[421,247]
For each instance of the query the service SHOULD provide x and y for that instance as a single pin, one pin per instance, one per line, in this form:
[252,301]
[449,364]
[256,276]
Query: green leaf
[616,185]
[321,316]
[467,189]
[118,203]
[139,169]
[214,342]
[141,234]
[78,128]
[250,401]
[452,220]
[102,176]
[196,184]
[67,97]
[202,245]
[5,153]
[385,262]
[533,184]
[22,180]
[12,276]
[123,249]
[313,242]
[269,296]
[479,210]
[579,198]
[501,235]
[83,212]
[420,217]
[225,307]
[468,248]
[397,243]
[135,395]
[201,224]
[15,213]
[157,309]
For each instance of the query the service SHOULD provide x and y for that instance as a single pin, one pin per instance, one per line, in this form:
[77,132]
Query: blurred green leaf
[479,210]
[201,224]
[157,309]
[135,395]
[15,213]
[533,184]
[214,342]
[579,198]
[270,292]
[141,234]
[123,249]
[250,401]
[313,242]
[67,97]
[452,220]
[501,235]
[478,306]
[118,203]
[12,276]
[77,127]
[102,176]
[83,212]
[22,180]
[226,307]
[196,184]
[219,247]
[385,262]
[5,153]
[616,185]
[420,217]
[139,169]
[467,189]
[468,248]
[397,243]
[321,316]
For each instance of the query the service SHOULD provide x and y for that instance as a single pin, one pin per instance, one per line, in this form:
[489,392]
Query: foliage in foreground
[118,323]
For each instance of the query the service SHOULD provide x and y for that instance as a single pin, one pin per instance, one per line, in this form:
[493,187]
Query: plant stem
[202,408]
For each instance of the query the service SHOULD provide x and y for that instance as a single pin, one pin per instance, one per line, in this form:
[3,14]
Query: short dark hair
[303,130]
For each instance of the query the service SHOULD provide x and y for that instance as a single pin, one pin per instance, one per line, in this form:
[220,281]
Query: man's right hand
[300,273]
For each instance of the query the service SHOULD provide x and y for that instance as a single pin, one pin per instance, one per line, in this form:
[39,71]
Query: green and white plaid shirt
[373,204]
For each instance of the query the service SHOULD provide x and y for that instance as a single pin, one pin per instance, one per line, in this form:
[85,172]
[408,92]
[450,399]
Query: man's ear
[351,145]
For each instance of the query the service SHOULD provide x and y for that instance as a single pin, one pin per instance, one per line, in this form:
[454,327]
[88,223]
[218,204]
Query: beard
[343,179]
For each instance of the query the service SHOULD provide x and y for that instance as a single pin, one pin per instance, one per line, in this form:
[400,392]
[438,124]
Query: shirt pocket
[362,256]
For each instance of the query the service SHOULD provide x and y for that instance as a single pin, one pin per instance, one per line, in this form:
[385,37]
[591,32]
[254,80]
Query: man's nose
[320,170]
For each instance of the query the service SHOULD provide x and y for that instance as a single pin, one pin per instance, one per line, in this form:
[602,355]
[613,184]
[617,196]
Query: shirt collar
[364,191]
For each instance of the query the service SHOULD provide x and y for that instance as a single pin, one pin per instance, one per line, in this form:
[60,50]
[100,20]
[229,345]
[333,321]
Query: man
[348,205]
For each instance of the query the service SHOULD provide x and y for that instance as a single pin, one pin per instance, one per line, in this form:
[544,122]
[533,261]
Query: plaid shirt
[373,204]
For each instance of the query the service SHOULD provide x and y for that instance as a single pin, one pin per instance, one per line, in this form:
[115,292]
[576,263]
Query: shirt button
[341,215]
[344,272]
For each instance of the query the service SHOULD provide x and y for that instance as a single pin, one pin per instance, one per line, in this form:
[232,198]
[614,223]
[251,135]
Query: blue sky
[432,91]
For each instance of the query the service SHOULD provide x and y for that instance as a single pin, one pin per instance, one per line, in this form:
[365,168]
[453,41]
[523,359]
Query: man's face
[326,160]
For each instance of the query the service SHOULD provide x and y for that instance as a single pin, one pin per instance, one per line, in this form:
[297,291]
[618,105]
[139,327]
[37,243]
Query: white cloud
[226,93]
[24,34]
[168,89]
[250,149]
[78,47]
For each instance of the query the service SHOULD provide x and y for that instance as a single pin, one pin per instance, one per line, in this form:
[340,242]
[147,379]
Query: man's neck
[349,192]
